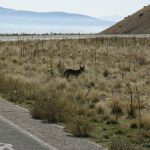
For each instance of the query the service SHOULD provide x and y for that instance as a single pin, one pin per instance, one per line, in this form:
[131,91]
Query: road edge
[28,134]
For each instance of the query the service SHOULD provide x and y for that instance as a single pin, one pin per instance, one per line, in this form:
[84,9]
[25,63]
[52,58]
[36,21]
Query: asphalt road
[13,138]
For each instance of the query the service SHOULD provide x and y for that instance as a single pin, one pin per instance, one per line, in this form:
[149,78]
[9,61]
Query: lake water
[39,29]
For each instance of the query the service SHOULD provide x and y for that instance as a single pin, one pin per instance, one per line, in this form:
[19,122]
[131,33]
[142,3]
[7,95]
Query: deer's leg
[76,76]
[67,76]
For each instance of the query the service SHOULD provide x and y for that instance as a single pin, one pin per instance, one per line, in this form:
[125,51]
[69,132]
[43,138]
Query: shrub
[142,60]
[106,73]
[126,68]
[15,61]
[145,121]
[134,123]
[117,85]
[50,106]
[79,126]
[116,107]
[106,136]
[120,145]
[112,120]
[145,134]
[100,108]
[122,129]
[13,88]
[133,113]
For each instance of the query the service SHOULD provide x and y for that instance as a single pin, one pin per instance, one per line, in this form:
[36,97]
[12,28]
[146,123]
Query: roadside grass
[109,101]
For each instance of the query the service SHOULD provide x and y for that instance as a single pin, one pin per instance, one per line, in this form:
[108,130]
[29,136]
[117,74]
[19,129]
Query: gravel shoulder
[49,133]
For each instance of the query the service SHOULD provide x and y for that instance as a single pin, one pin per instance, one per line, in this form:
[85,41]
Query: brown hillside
[137,23]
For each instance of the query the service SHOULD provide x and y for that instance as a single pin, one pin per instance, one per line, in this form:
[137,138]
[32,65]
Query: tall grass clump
[16,89]
[52,106]
[79,126]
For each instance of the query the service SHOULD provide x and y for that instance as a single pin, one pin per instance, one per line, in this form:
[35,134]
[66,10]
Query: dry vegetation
[109,101]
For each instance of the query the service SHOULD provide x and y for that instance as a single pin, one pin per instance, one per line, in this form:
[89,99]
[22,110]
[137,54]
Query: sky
[95,8]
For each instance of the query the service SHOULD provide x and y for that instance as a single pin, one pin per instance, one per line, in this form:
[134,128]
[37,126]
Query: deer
[71,72]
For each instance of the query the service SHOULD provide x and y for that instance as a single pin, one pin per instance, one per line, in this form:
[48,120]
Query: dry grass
[114,87]
[122,128]
[145,121]
[79,126]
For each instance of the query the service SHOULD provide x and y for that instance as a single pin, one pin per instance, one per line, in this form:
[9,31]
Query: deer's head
[82,68]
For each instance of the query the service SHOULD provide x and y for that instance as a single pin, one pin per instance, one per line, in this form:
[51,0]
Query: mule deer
[71,72]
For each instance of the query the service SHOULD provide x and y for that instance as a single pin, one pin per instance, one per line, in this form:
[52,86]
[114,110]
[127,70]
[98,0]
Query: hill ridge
[137,23]
[11,16]
[44,13]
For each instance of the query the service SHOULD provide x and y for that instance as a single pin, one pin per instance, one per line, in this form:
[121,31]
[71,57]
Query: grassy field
[109,101]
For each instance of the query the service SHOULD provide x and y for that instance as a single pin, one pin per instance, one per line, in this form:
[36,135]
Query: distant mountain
[10,16]
[137,23]
[111,18]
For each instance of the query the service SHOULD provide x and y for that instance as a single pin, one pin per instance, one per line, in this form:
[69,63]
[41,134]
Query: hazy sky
[88,7]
